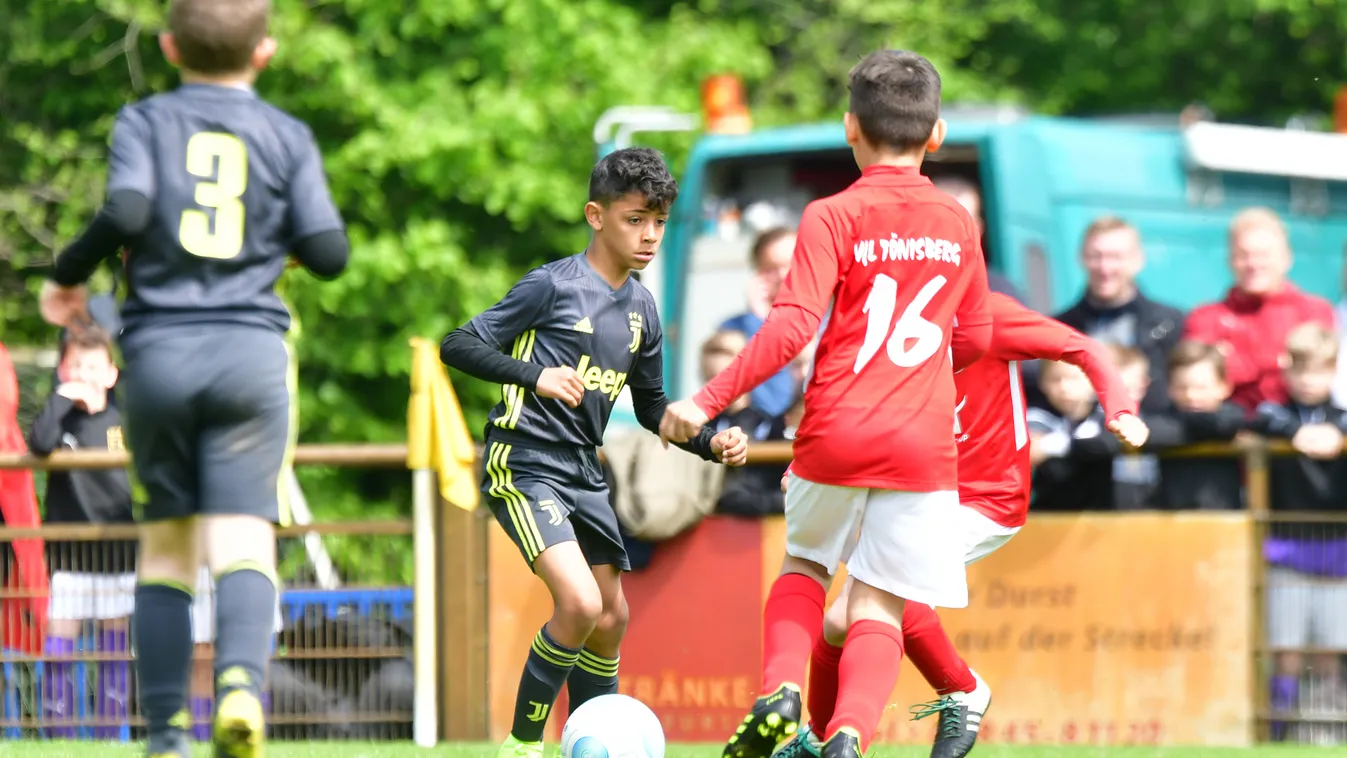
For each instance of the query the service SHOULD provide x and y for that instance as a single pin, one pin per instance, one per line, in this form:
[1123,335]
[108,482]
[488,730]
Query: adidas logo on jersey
[583,325]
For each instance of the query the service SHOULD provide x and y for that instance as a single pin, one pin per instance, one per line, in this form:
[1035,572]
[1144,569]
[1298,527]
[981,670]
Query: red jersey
[992,434]
[899,260]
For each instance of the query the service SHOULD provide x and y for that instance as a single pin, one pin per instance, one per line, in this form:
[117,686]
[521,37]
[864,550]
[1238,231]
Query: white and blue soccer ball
[612,726]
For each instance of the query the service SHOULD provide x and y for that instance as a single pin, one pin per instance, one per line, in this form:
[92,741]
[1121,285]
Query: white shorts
[203,609]
[899,542]
[78,596]
[981,535]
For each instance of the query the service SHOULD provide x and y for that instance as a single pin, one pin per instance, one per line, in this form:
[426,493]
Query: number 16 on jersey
[911,327]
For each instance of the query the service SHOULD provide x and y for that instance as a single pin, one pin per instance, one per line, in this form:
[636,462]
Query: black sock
[162,625]
[548,665]
[592,676]
[245,621]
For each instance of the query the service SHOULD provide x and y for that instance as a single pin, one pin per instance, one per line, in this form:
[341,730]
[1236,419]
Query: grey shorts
[209,419]
[1305,610]
[542,496]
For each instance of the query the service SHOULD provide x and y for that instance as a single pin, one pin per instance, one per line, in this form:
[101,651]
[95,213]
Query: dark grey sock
[545,672]
[592,676]
[245,620]
[162,626]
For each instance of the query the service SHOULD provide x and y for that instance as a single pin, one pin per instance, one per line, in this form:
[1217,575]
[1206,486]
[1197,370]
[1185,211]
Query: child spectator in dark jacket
[1200,411]
[91,580]
[1063,481]
[1306,598]
[1135,475]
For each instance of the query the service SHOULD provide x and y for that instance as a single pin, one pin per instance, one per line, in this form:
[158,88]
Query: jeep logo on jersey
[635,321]
[604,380]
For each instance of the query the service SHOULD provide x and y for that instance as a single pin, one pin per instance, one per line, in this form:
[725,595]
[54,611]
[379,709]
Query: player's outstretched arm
[647,392]
[787,331]
[649,405]
[464,349]
[793,322]
[475,348]
[125,214]
[1025,335]
[972,336]
[324,254]
[321,245]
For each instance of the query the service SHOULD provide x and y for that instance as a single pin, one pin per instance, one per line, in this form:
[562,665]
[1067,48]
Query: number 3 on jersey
[911,326]
[224,158]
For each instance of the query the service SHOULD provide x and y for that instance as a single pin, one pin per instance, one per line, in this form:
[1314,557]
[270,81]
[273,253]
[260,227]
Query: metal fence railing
[342,667]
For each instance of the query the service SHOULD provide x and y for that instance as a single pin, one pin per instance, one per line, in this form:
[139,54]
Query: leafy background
[457,133]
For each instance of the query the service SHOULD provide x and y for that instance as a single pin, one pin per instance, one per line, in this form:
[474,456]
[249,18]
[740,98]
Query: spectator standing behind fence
[751,490]
[1251,324]
[90,580]
[1200,411]
[104,313]
[1307,563]
[772,251]
[1064,481]
[1114,311]
[966,193]
[1135,476]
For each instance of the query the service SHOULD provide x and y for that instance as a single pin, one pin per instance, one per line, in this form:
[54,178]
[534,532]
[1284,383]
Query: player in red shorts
[876,470]
[994,479]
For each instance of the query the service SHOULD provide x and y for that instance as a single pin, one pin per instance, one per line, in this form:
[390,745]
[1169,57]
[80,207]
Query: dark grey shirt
[233,184]
[564,314]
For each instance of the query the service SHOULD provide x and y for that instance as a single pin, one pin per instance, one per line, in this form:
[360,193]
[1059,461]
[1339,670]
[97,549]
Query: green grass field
[482,750]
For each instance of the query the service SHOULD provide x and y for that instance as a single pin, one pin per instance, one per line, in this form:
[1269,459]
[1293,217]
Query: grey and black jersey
[233,184]
[564,314]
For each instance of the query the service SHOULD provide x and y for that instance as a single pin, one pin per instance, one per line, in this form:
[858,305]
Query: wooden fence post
[462,622]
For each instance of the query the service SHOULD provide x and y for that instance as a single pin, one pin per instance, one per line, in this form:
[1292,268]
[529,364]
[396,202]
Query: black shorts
[209,418]
[543,496]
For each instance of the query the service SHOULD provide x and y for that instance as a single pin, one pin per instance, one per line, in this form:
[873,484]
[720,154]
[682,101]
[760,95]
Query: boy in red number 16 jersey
[994,479]
[876,468]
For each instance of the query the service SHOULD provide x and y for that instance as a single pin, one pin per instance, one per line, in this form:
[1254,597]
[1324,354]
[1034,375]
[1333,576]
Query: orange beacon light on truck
[724,106]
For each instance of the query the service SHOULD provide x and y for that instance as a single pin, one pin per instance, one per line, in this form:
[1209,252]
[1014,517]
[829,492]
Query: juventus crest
[635,322]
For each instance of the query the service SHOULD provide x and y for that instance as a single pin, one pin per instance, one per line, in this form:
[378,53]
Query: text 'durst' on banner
[1091,629]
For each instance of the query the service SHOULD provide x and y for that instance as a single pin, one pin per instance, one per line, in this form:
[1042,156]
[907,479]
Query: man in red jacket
[1250,325]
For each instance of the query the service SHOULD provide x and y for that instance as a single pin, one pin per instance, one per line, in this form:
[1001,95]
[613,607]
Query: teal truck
[1042,179]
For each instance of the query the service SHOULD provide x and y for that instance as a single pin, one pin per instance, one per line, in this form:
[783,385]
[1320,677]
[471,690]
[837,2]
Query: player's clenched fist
[62,306]
[1129,430]
[561,383]
[731,446]
[682,421]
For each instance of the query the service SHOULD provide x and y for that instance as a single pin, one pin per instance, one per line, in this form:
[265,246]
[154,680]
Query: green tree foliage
[457,132]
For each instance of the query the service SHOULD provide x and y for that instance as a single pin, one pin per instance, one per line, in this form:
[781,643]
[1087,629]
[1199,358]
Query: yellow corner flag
[437,434]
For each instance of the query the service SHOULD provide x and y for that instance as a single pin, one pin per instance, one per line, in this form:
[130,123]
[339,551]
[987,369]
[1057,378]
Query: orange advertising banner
[1105,629]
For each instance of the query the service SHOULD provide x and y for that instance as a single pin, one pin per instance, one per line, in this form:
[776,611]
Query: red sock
[932,652]
[822,694]
[791,622]
[866,676]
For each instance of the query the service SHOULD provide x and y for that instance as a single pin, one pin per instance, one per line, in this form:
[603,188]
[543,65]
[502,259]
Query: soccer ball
[612,726]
